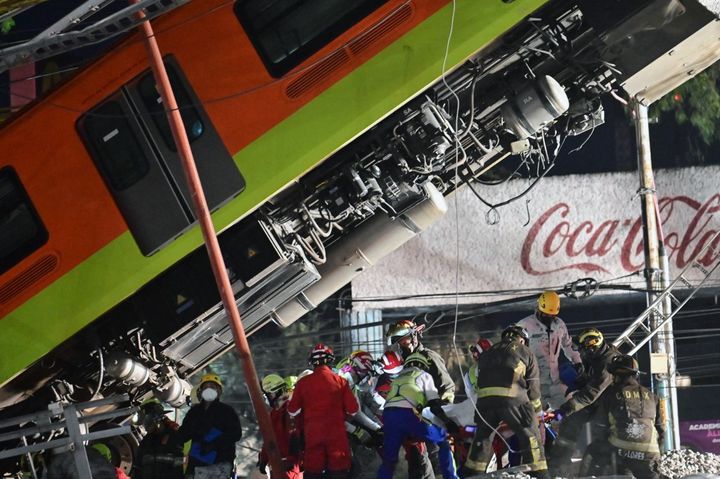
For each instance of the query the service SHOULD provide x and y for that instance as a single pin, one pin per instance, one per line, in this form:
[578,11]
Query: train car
[326,135]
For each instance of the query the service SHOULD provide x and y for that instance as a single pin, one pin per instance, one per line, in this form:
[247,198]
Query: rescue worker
[277,393]
[634,420]
[62,465]
[416,454]
[470,376]
[214,428]
[574,413]
[359,371]
[508,391]
[412,391]
[548,335]
[404,337]
[104,450]
[325,401]
[159,453]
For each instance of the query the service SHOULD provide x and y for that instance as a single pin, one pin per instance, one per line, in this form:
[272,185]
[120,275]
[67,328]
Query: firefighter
[214,428]
[634,420]
[160,453]
[413,390]
[325,401]
[470,376]
[277,393]
[508,390]
[577,411]
[548,335]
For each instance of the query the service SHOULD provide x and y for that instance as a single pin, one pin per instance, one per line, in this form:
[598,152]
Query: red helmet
[321,354]
[392,362]
[362,362]
[480,346]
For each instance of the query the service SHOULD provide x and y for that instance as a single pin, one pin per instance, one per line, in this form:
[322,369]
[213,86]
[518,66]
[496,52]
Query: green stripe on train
[318,129]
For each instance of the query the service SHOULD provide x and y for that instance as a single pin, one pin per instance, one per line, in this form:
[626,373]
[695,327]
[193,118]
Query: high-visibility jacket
[508,376]
[413,388]
[634,417]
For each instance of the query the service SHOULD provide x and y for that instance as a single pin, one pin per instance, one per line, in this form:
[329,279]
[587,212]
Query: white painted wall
[579,226]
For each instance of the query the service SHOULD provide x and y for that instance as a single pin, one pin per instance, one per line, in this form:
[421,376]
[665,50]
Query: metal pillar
[211,242]
[660,360]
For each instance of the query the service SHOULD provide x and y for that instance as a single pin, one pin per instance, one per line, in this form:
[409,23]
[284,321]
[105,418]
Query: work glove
[362,436]
[206,448]
[579,368]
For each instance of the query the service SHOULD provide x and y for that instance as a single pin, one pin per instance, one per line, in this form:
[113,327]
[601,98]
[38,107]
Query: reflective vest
[405,387]
[473,376]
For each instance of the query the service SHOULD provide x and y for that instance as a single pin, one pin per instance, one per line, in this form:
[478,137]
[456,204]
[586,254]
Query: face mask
[209,395]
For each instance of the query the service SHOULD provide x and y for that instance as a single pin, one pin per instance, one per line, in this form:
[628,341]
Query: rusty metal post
[211,242]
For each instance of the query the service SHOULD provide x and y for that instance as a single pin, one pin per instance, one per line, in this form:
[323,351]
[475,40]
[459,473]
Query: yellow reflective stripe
[498,391]
[476,465]
[537,404]
[538,466]
[634,446]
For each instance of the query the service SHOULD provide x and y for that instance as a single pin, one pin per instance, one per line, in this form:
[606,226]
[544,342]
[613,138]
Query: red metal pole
[211,242]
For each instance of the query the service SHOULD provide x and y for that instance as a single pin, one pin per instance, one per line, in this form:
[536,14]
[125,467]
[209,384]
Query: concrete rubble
[684,463]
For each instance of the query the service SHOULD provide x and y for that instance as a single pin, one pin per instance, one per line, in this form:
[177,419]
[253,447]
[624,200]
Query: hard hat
[392,362]
[361,361]
[516,331]
[418,360]
[623,365]
[590,338]
[321,354]
[103,449]
[401,329]
[480,346]
[290,382]
[211,378]
[549,303]
[273,384]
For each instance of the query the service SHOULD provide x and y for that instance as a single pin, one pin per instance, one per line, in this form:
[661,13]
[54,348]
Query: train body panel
[91,261]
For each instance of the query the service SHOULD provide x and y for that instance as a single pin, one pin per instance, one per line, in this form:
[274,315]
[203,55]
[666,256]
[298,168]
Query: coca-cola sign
[554,244]
[572,227]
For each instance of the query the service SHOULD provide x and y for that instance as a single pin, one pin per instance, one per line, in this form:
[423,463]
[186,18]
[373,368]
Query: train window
[21,231]
[153,103]
[117,148]
[287,32]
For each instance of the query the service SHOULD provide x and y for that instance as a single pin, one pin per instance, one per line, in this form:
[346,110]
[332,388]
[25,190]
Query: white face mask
[209,394]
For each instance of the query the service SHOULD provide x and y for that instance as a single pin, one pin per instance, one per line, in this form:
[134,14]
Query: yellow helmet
[290,382]
[211,378]
[590,338]
[549,303]
[273,383]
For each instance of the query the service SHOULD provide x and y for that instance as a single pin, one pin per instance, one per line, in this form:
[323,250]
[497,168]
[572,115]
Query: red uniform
[281,424]
[325,400]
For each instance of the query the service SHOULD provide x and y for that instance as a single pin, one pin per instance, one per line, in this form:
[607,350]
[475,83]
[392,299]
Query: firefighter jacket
[412,389]
[595,380]
[441,377]
[283,435]
[546,343]
[508,375]
[634,418]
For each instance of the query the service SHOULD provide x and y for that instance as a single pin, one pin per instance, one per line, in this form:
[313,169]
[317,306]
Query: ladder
[712,247]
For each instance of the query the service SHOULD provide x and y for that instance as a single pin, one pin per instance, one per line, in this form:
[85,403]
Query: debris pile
[684,462]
